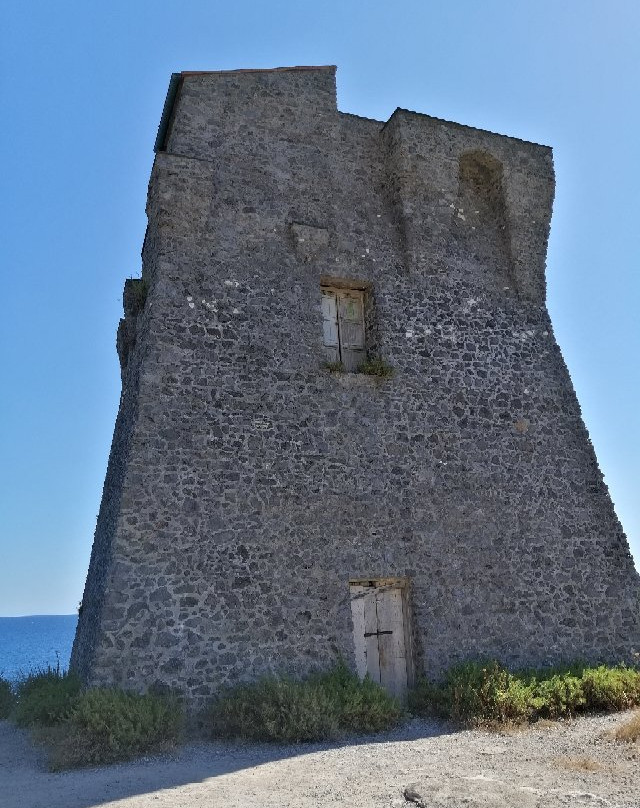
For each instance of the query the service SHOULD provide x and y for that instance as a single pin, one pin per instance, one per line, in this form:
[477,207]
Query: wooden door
[380,634]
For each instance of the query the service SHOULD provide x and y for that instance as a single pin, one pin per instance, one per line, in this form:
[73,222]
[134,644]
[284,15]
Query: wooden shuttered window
[343,326]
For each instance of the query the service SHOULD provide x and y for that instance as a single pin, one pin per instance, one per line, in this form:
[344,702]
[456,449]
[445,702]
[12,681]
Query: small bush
[46,698]
[333,367]
[139,290]
[473,689]
[558,696]
[517,703]
[99,725]
[108,725]
[482,693]
[6,698]
[275,710]
[611,688]
[376,366]
[362,705]
[322,707]
[427,699]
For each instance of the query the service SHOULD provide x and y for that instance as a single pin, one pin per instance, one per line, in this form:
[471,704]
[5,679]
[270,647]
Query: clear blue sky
[82,86]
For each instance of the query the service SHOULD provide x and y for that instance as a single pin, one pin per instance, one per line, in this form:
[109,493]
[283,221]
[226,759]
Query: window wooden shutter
[331,340]
[351,328]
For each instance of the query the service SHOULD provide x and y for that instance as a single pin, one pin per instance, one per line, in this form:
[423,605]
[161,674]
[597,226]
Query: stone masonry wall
[247,484]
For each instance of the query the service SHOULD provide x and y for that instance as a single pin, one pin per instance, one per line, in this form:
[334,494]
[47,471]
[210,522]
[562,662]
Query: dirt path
[570,764]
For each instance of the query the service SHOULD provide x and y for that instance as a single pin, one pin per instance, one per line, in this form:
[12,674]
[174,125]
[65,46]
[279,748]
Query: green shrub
[517,704]
[611,688]
[428,699]
[362,705]
[99,725]
[46,697]
[558,696]
[139,290]
[6,698]
[108,725]
[334,367]
[376,366]
[485,692]
[473,688]
[275,710]
[322,707]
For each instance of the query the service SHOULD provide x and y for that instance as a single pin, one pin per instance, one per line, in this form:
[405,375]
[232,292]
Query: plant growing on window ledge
[139,289]
[333,367]
[376,366]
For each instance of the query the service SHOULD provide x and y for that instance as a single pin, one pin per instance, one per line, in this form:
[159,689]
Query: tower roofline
[402,110]
[256,70]
[176,80]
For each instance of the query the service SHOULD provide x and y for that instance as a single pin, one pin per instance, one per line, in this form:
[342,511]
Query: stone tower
[268,506]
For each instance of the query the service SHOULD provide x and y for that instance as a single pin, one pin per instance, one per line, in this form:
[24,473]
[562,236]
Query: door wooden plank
[391,642]
[371,634]
[357,614]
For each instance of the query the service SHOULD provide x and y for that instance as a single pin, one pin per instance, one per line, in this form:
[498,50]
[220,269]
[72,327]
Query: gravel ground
[562,764]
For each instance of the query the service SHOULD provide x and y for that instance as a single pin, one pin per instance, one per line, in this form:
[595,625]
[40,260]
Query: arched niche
[480,222]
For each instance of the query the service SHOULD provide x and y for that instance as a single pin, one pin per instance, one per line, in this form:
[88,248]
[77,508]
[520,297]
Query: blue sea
[35,642]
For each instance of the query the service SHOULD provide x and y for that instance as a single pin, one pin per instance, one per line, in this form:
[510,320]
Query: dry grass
[516,727]
[546,723]
[523,726]
[579,764]
[629,731]
[502,727]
